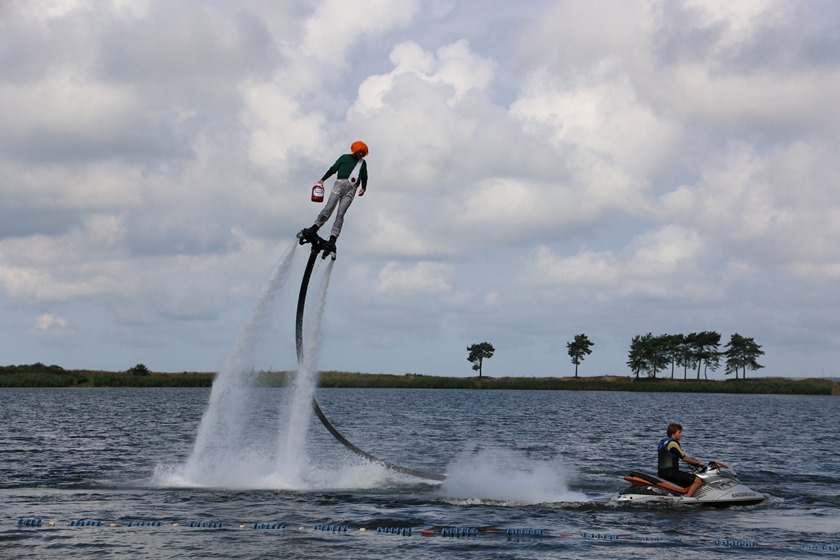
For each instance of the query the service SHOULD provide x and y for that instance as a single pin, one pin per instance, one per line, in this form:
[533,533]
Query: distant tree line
[649,354]
[698,352]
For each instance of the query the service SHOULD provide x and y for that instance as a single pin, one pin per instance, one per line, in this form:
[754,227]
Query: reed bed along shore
[40,375]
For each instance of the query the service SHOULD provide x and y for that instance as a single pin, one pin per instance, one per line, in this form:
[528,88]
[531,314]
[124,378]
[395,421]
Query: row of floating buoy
[600,536]
[459,532]
[528,532]
[822,547]
[456,532]
[85,523]
[404,531]
[332,528]
[736,543]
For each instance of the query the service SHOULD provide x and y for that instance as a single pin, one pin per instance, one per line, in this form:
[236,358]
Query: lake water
[530,461]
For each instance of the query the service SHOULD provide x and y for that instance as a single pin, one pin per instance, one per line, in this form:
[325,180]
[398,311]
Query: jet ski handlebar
[714,465]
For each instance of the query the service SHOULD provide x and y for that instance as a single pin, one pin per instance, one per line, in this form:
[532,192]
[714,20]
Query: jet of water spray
[293,440]
[219,441]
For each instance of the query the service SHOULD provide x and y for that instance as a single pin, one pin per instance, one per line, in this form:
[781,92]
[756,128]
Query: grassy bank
[775,386]
[40,375]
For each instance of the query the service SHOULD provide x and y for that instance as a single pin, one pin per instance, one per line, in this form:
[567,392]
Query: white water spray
[503,475]
[221,447]
[293,458]
[234,447]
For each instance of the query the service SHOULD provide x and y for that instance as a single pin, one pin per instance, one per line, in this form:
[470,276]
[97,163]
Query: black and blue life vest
[667,459]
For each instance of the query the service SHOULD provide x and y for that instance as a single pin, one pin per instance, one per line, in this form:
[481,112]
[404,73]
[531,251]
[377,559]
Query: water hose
[304,286]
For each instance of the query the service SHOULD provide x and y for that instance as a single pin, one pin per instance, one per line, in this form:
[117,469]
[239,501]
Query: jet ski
[721,488]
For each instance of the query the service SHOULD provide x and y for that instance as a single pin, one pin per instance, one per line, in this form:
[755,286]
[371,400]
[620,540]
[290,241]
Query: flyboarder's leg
[310,234]
[348,193]
[329,208]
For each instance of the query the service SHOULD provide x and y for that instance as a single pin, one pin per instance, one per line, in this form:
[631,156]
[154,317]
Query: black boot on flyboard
[310,235]
[330,248]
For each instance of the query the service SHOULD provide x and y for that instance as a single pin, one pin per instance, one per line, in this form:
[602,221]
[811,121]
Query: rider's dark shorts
[677,476]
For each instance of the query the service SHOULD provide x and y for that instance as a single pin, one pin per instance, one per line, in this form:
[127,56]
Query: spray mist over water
[502,475]
[241,444]
[293,458]
[222,447]
[243,441]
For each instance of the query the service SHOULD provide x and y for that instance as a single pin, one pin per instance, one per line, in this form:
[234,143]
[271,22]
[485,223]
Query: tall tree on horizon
[686,355]
[636,360]
[478,353]
[579,348]
[674,349]
[705,351]
[650,354]
[742,353]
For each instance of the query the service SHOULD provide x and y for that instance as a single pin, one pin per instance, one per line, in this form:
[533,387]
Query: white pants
[341,195]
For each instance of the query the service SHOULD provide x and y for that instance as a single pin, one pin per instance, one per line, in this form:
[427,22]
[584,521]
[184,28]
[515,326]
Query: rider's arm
[693,461]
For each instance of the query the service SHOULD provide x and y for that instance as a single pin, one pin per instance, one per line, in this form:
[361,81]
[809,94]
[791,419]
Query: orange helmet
[359,146]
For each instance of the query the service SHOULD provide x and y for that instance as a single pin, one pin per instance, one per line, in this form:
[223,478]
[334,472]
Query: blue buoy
[29,522]
[659,540]
[737,543]
[269,526]
[826,547]
[525,531]
[599,536]
[404,531]
[332,528]
[85,523]
[206,524]
[458,532]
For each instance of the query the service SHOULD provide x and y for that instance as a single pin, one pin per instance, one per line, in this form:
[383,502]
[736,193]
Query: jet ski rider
[670,454]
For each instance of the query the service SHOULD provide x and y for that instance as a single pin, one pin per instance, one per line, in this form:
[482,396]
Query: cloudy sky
[538,169]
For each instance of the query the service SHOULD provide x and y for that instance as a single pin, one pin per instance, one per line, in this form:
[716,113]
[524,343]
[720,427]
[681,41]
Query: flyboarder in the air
[350,171]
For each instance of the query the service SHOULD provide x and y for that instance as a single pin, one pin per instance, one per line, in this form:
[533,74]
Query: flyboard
[319,245]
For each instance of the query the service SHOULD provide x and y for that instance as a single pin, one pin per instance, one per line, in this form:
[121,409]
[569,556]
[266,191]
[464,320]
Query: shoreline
[39,375]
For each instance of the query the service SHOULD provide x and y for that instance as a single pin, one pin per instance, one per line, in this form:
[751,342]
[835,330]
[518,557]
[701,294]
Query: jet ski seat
[640,478]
